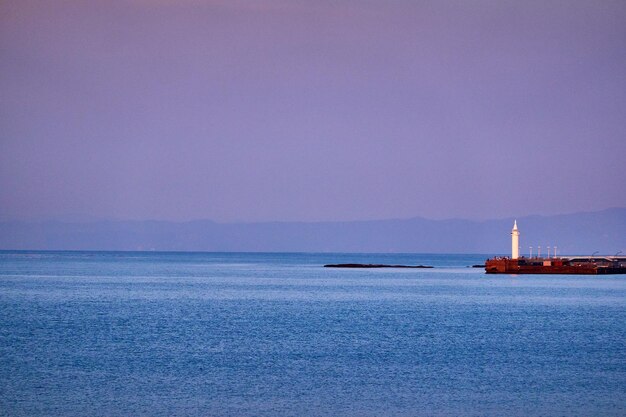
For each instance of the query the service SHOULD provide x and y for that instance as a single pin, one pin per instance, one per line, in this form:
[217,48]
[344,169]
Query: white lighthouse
[514,242]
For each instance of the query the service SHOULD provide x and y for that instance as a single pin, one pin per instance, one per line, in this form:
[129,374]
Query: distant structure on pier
[515,242]
[578,265]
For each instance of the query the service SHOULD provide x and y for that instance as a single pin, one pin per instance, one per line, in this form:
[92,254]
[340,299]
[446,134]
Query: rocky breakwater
[374,266]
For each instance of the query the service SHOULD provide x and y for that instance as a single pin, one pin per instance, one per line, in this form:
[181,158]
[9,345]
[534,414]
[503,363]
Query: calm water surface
[160,334]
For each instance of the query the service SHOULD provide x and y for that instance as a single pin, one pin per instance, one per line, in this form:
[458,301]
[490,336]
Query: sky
[316,110]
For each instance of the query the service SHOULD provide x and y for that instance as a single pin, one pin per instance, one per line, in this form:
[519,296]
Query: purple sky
[311,110]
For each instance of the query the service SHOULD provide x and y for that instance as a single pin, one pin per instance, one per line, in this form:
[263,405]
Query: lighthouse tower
[514,242]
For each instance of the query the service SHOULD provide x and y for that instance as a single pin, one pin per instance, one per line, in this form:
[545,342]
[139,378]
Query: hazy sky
[311,110]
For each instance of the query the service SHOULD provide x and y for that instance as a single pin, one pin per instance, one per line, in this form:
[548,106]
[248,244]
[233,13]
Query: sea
[277,334]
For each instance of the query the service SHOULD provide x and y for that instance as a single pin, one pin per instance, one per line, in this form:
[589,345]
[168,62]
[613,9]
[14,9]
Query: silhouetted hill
[579,233]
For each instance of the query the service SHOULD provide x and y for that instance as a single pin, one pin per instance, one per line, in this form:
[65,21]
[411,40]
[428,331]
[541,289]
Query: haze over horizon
[310,111]
[81,218]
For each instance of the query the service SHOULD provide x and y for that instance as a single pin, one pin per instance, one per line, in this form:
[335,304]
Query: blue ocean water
[230,334]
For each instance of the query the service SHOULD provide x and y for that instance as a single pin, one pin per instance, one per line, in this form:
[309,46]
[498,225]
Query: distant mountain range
[578,233]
